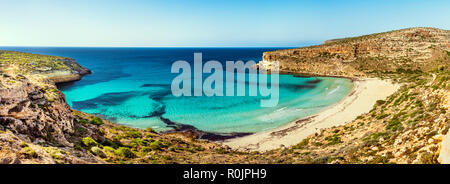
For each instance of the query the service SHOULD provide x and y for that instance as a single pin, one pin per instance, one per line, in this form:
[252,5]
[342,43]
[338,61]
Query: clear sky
[208,23]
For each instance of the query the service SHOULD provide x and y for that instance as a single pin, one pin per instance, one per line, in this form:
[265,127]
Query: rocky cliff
[32,109]
[31,105]
[406,49]
[410,125]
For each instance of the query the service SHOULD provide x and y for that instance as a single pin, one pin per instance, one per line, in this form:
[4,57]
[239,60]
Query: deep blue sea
[131,86]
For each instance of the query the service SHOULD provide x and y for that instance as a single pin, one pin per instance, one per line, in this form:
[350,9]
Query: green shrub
[302,144]
[198,149]
[149,135]
[156,145]
[96,121]
[141,142]
[381,102]
[134,134]
[419,103]
[111,143]
[321,160]
[89,142]
[431,134]
[382,116]
[83,121]
[222,151]
[394,125]
[151,130]
[429,158]
[55,153]
[376,136]
[125,152]
[29,152]
[82,130]
[23,144]
[378,159]
[146,149]
[334,139]
[108,149]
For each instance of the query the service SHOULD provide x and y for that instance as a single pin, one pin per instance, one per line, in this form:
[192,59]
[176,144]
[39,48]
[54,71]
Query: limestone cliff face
[30,104]
[34,117]
[413,49]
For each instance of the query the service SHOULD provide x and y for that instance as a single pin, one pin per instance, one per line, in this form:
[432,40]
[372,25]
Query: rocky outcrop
[412,49]
[57,69]
[75,67]
[36,124]
[75,73]
[30,104]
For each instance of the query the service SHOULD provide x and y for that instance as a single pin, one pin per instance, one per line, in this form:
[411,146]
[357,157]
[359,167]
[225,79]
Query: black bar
[274,173]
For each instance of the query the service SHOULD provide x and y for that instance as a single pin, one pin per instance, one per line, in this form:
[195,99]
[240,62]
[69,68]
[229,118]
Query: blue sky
[263,23]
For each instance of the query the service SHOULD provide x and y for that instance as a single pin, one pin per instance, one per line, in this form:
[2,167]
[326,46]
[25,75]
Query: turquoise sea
[131,86]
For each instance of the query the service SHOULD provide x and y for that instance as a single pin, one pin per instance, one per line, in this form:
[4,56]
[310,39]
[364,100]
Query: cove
[132,86]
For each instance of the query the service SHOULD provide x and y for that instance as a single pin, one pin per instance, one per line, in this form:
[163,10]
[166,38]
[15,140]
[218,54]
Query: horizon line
[159,46]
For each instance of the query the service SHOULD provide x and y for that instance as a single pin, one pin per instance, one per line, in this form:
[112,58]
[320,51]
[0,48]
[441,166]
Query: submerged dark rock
[200,134]
[160,110]
[316,81]
[108,99]
[155,85]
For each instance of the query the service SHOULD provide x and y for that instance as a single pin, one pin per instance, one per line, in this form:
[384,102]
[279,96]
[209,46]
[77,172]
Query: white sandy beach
[360,100]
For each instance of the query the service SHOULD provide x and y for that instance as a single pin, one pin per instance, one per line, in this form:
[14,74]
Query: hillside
[410,125]
[407,127]
[422,49]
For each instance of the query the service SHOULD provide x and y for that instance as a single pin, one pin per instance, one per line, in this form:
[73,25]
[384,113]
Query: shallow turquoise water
[132,87]
[129,102]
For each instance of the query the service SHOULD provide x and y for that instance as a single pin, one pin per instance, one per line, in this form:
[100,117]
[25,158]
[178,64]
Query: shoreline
[287,135]
[365,93]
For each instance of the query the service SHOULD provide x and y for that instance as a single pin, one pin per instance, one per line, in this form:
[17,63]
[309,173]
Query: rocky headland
[415,49]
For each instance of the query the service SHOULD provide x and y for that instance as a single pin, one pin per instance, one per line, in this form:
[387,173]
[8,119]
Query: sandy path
[360,100]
